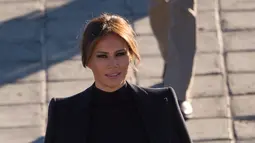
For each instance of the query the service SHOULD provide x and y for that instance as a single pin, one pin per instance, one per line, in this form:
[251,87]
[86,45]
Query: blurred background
[40,59]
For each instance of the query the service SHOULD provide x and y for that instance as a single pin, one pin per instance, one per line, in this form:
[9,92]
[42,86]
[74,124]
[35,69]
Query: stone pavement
[39,59]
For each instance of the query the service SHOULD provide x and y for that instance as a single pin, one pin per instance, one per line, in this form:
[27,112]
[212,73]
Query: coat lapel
[84,110]
[156,127]
[145,109]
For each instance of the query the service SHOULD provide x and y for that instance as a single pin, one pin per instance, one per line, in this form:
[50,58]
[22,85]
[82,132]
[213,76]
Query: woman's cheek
[101,63]
[124,61]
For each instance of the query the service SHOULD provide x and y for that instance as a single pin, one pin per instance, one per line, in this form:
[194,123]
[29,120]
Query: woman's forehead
[111,43]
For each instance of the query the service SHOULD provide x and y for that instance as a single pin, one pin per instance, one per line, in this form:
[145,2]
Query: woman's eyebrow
[101,52]
[121,50]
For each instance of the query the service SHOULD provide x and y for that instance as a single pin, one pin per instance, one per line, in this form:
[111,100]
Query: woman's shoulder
[158,90]
[154,90]
[70,100]
[167,93]
[64,100]
[161,92]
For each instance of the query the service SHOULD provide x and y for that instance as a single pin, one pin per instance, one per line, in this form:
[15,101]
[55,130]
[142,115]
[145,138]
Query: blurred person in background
[112,110]
[174,26]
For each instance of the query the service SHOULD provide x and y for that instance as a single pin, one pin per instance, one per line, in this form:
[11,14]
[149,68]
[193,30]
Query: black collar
[145,106]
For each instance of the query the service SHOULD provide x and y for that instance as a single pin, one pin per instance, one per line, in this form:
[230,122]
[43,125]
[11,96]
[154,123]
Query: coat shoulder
[166,93]
[68,102]
[157,91]
[162,91]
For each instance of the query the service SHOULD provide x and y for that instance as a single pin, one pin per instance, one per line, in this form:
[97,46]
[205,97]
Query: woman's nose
[113,62]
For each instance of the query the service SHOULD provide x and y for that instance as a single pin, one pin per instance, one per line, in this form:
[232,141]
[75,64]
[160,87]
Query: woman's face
[109,63]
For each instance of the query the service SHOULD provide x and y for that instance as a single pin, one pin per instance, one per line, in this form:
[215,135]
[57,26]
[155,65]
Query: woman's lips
[113,75]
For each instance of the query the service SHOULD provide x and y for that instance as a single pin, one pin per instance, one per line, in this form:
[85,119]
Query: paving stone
[20,31]
[150,82]
[238,20]
[20,115]
[69,70]
[142,25]
[148,45]
[207,42]
[24,51]
[29,76]
[62,49]
[60,45]
[70,9]
[242,83]
[202,129]
[204,86]
[244,129]
[67,88]
[237,4]
[150,67]
[20,71]
[20,93]
[84,9]
[19,135]
[243,105]
[206,21]
[138,7]
[215,141]
[75,57]
[246,141]
[203,5]
[241,62]
[207,63]
[210,107]
[115,6]
[19,10]
[242,40]
[10,1]
[69,30]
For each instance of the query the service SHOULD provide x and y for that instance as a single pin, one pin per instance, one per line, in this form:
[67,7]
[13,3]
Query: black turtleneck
[115,118]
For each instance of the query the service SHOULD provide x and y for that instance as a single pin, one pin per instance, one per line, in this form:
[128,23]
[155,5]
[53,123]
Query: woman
[113,110]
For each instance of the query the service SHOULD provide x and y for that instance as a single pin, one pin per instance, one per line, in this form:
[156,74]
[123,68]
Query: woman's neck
[107,88]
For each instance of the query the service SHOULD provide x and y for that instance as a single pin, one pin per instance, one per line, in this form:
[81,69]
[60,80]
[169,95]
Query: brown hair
[103,25]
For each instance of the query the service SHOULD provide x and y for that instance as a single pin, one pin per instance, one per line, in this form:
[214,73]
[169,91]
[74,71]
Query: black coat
[68,118]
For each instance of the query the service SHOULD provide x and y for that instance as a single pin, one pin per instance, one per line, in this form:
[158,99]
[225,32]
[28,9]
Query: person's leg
[183,38]
[159,20]
[175,29]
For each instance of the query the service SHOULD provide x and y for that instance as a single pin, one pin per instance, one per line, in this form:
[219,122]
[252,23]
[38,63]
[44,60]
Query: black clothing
[69,118]
[114,117]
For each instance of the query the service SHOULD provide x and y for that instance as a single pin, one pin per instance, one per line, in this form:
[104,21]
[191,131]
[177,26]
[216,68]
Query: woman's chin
[115,84]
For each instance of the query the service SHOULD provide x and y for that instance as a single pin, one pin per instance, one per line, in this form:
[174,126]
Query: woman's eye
[121,54]
[101,56]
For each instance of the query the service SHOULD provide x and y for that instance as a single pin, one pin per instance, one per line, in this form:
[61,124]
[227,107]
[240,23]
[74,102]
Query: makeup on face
[110,62]
[104,55]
